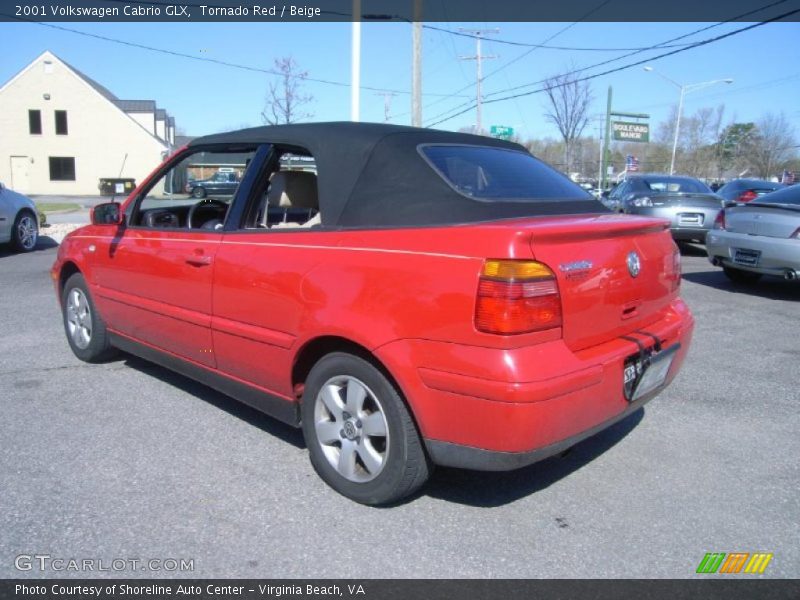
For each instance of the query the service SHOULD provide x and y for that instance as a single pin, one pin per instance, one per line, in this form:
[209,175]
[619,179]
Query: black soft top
[373,175]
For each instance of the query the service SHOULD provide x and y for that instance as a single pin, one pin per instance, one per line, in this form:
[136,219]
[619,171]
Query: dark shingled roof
[161,114]
[143,106]
[373,175]
[104,91]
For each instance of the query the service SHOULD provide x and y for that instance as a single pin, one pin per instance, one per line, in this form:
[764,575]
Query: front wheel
[86,331]
[360,436]
[199,192]
[741,276]
[25,232]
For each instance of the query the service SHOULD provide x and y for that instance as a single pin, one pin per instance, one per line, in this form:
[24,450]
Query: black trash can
[111,186]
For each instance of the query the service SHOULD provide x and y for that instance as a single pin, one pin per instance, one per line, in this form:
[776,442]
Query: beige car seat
[293,189]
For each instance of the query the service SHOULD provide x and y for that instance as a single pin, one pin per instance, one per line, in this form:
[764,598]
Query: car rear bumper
[495,409]
[777,255]
[685,222]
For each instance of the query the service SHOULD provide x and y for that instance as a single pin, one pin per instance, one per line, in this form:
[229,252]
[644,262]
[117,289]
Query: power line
[545,46]
[659,46]
[208,59]
[624,67]
[524,54]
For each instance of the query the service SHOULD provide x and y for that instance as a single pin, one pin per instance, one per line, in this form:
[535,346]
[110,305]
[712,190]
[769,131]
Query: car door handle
[199,261]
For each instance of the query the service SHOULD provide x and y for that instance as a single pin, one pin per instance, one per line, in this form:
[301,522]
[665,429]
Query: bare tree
[285,99]
[568,109]
[771,147]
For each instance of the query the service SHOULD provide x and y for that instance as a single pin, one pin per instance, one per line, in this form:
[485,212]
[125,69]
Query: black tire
[97,348]
[25,232]
[740,275]
[405,464]
[199,192]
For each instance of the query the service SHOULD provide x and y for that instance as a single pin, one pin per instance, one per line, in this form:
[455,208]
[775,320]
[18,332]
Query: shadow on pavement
[687,249]
[233,407]
[491,489]
[43,243]
[773,288]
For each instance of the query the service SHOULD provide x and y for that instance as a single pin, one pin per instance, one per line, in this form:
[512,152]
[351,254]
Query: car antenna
[114,195]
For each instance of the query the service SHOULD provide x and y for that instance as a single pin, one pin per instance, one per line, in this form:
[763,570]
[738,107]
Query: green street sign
[627,131]
[501,131]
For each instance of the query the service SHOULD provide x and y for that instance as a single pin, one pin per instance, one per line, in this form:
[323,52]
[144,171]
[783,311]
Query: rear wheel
[85,329]
[741,276]
[360,436]
[25,232]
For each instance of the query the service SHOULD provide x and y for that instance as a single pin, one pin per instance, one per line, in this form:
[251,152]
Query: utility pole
[416,66]
[606,144]
[478,58]
[387,104]
[355,63]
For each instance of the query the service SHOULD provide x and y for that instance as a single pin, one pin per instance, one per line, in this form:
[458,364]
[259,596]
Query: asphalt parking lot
[127,460]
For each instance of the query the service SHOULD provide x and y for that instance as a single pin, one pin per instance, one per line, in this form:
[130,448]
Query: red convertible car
[409,297]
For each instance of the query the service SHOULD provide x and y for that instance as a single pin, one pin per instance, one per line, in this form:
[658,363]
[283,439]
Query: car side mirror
[605,193]
[109,213]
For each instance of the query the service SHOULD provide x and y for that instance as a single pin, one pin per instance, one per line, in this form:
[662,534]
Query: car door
[6,216]
[259,296]
[155,276]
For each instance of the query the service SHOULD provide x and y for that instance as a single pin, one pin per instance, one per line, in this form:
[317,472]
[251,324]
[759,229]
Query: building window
[35,122]
[61,122]
[62,168]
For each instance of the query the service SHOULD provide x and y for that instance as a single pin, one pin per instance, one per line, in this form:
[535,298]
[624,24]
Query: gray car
[19,223]
[687,203]
[759,238]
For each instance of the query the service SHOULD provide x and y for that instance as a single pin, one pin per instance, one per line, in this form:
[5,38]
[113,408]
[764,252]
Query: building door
[19,174]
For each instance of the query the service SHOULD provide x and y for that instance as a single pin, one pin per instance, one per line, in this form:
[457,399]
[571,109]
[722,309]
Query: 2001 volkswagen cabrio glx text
[409,297]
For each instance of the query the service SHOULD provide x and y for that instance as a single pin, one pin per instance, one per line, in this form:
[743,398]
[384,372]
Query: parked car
[428,298]
[688,204]
[221,183]
[760,237]
[19,221]
[745,190]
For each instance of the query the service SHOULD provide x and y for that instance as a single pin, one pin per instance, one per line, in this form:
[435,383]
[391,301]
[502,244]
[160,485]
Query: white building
[61,132]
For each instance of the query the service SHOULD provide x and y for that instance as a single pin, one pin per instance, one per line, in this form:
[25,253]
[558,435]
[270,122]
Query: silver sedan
[687,203]
[19,223]
[759,238]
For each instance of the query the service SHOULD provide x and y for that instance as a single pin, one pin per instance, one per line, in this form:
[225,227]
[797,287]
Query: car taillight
[675,275]
[719,222]
[517,296]
[747,195]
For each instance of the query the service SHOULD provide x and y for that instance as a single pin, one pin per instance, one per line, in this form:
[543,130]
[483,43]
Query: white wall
[146,120]
[99,133]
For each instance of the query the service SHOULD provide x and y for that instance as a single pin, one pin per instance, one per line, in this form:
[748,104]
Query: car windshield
[789,195]
[675,185]
[487,173]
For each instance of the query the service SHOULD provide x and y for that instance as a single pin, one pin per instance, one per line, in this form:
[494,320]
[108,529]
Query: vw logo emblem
[634,264]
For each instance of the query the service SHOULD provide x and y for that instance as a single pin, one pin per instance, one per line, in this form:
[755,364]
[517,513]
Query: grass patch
[48,207]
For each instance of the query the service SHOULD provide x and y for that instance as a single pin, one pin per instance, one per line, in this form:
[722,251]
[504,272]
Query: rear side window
[487,173]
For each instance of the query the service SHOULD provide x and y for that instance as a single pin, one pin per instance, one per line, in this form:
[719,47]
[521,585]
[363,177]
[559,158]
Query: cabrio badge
[634,264]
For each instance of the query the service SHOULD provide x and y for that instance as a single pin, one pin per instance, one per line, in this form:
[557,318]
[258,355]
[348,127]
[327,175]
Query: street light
[691,87]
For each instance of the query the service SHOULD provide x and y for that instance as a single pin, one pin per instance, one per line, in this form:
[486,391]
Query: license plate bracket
[746,257]
[646,372]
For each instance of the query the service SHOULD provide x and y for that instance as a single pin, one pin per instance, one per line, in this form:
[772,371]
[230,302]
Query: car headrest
[293,189]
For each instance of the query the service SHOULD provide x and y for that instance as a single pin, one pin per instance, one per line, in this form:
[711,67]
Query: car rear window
[674,185]
[487,173]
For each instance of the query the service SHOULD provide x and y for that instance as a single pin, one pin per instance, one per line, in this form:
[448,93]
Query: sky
[207,98]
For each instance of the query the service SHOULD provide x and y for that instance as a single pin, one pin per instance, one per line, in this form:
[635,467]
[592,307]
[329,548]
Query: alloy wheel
[27,232]
[351,428]
[79,318]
